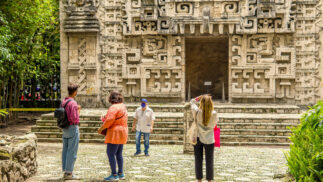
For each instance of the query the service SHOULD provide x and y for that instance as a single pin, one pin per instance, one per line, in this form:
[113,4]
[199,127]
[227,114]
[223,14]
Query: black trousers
[209,158]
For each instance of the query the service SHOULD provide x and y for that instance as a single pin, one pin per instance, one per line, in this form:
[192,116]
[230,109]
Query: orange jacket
[117,132]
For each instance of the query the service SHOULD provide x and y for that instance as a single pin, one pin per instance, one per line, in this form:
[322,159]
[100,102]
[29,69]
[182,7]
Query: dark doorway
[206,68]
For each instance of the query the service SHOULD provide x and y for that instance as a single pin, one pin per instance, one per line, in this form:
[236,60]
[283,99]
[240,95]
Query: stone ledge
[17,157]
[99,113]
[258,116]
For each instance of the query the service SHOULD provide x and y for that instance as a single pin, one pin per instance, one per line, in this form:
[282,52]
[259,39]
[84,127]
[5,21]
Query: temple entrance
[206,69]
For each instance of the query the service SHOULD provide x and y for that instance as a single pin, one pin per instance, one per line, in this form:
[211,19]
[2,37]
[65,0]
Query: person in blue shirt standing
[143,123]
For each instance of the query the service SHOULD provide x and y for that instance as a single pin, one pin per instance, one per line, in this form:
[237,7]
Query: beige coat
[204,133]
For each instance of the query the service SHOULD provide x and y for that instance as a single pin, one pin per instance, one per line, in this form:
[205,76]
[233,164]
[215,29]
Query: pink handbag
[217,136]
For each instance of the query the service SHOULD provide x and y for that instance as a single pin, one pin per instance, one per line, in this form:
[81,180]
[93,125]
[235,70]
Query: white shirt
[144,119]
[205,133]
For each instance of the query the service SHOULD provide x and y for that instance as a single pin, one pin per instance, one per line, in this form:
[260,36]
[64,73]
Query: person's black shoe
[136,154]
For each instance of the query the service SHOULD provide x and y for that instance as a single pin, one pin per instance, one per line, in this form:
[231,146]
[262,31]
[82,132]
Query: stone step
[255,132]
[171,110]
[153,136]
[177,130]
[257,108]
[278,126]
[162,117]
[254,138]
[59,135]
[223,117]
[168,142]
[177,137]
[253,144]
[226,140]
[225,108]
[131,107]
[95,129]
[158,142]
[152,142]
[258,118]
[99,123]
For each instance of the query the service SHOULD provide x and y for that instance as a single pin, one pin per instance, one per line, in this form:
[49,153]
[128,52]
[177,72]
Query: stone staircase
[241,124]
[247,124]
[168,128]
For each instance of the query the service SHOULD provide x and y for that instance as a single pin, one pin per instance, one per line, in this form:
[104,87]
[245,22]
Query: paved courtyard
[166,163]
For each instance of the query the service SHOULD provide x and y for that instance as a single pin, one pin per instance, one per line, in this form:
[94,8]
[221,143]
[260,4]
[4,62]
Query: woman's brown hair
[115,97]
[206,105]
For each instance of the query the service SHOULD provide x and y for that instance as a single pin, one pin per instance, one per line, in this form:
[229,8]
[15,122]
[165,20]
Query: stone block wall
[17,157]
[138,47]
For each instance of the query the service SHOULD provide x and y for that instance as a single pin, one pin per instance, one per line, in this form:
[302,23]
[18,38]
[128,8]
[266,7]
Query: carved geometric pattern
[82,62]
[273,46]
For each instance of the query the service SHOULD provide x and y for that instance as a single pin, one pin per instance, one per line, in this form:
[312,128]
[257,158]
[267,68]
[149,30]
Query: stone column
[63,53]
[188,120]
[79,50]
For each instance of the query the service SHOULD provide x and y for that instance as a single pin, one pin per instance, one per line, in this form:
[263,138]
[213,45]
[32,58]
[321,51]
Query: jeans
[115,151]
[71,137]
[209,160]
[146,141]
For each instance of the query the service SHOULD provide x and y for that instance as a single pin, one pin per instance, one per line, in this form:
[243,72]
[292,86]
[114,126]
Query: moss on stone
[20,141]
[4,155]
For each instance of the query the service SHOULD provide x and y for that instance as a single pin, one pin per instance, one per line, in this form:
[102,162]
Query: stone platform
[241,124]
[166,163]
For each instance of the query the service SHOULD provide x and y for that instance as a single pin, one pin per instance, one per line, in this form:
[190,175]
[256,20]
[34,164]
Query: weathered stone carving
[81,16]
[139,47]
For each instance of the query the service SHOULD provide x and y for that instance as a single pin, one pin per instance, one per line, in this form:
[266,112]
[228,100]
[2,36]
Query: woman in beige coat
[206,119]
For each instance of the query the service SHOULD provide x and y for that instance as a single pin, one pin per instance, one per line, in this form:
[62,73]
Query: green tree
[4,38]
[5,55]
[29,47]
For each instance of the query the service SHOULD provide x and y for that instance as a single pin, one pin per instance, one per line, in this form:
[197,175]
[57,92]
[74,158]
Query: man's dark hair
[72,88]
[115,97]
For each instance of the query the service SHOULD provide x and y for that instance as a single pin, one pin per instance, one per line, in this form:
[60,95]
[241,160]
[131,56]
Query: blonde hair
[206,105]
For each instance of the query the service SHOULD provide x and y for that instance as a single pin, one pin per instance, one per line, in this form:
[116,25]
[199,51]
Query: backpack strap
[69,100]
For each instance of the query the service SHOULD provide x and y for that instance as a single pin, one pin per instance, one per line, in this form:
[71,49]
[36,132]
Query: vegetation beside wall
[305,159]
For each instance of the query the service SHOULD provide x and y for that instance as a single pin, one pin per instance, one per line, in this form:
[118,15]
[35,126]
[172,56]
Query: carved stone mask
[206,11]
[80,2]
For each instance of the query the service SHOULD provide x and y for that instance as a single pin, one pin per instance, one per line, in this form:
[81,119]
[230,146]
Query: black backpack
[61,115]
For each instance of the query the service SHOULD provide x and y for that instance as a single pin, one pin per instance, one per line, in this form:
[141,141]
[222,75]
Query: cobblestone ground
[166,163]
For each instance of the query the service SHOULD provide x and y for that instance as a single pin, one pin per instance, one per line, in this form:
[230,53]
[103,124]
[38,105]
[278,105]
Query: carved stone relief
[139,46]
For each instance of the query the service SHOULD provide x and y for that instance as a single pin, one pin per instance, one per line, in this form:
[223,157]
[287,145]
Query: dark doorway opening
[206,67]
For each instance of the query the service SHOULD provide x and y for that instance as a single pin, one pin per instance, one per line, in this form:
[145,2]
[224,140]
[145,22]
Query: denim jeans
[114,151]
[71,137]
[146,141]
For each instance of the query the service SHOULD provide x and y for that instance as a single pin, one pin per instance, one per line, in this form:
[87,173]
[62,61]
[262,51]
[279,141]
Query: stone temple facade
[243,51]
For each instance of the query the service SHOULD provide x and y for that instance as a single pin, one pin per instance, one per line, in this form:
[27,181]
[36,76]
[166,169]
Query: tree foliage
[29,45]
[305,159]
[4,39]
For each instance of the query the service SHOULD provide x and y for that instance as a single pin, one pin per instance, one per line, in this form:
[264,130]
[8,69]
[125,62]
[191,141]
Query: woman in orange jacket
[115,121]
